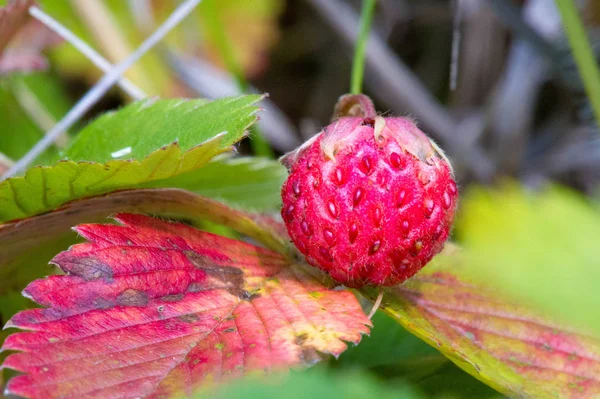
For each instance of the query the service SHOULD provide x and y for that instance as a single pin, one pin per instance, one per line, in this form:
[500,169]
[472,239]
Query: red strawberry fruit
[370,200]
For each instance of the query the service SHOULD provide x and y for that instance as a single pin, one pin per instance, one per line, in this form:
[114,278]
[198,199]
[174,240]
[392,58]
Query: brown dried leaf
[12,18]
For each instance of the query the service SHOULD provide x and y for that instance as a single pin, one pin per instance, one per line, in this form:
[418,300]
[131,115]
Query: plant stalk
[358,65]
[582,52]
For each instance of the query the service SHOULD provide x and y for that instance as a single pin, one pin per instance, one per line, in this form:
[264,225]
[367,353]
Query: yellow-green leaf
[541,248]
[502,343]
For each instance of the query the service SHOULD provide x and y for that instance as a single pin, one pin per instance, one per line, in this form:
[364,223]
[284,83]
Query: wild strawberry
[370,200]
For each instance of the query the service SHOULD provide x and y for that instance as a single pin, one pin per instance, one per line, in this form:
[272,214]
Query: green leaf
[143,127]
[388,344]
[504,344]
[312,384]
[450,382]
[251,183]
[392,352]
[146,125]
[541,248]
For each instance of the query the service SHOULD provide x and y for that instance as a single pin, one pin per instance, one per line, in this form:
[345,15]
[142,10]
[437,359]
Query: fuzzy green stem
[582,52]
[358,65]
[260,146]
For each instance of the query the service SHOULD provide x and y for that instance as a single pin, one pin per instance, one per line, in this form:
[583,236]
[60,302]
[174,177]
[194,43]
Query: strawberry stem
[355,105]
[358,65]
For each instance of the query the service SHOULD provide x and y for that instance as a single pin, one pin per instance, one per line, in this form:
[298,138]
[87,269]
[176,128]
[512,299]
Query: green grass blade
[582,52]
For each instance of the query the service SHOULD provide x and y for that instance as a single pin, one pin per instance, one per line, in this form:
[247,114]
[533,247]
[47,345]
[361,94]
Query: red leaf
[151,308]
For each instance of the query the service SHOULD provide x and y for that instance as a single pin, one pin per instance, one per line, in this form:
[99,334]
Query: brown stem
[356,105]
